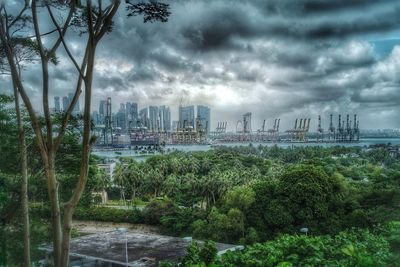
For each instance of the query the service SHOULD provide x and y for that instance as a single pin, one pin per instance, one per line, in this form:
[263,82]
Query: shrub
[156,209]
[105,214]
[350,248]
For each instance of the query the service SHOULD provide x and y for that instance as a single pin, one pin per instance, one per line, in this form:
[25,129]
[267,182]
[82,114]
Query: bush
[94,213]
[156,209]
[351,248]
[108,215]
[178,221]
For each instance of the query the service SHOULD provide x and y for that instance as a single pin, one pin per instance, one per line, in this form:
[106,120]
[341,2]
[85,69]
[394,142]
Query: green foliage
[12,234]
[9,159]
[199,255]
[9,191]
[241,197]
[94,213]
[156,209]
[248,194]
[219,226]
[208,253]
[351,248]
[192,256]
[104,214]
[178,221]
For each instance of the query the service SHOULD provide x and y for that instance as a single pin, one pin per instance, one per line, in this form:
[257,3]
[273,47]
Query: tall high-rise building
[132,114]
[121,119]
[186,117]
[153,118]
[96,118]
[164,114]
[144,117]
[203,114]
[57,106]
[65,101]
[102,107]
[76,108]
[174,127]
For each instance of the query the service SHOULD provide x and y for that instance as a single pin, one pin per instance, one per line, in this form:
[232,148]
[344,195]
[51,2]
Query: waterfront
[188,148]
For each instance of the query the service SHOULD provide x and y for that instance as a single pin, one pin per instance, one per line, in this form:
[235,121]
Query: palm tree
[154,180]
[171,185]
[135,178]
[120,179]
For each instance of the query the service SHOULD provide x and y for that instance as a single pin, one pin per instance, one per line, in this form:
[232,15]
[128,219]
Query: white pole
[126,249]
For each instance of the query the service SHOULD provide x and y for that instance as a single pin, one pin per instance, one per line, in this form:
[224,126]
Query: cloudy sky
[275,58]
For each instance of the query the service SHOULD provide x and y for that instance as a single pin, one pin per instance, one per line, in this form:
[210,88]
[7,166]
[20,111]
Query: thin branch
[65,28]
[18,17]
[67,115]
[21,89]
[43,34]
[37,31]
[90,22]
[45,75]
[64,43]
[108,20]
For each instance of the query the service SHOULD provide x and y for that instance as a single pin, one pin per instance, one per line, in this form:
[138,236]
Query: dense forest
[296,206]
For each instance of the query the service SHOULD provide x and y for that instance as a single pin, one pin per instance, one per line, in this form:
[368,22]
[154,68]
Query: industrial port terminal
[138,137]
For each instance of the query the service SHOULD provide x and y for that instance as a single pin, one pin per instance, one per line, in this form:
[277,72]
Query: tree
[154,180]
[135,178]
[25,51]
[241,197]
[23,166]
[95,20]
[120,179]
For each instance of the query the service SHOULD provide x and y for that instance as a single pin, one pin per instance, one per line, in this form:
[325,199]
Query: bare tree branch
[45,77]
[64,43]
[65,27]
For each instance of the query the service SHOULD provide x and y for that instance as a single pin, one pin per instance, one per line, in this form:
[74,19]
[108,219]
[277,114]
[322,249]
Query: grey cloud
[274,58]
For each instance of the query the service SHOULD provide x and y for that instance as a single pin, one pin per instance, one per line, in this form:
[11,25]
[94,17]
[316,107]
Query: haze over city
[274,59]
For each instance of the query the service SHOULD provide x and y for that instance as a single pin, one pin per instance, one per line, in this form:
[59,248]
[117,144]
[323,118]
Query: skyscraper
[186,117]
[164,114]
[121,119]
[174,127]
[154,118]
[144,117]
[65,102]
[203,113]
[57,106]
[132,113]
[102,107]
[76,108]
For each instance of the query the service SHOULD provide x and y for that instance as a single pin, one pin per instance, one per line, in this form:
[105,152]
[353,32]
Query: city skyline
[155,118]
[174,121]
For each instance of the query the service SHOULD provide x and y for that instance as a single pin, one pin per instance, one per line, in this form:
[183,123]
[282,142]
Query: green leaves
[352,248]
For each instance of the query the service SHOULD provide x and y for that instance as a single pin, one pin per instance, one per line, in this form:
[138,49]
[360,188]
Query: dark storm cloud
[219,24]
[216,30]
[272,57]
[318,7]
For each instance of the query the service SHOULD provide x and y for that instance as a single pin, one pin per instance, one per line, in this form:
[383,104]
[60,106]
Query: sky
[275,58]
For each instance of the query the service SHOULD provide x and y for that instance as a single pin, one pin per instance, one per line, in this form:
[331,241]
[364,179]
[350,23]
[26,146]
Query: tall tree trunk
[52,186]
[24,181]
[69,207]
[3,242]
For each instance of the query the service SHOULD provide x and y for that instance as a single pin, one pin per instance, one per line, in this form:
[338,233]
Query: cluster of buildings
[61,104]
[150,119]
[150,125]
